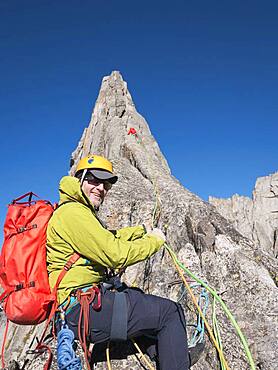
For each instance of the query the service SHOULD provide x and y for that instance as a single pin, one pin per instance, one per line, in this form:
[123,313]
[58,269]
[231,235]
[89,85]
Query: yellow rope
[157,207]
[108,357]
[216,330]
[142,356]
[220,352]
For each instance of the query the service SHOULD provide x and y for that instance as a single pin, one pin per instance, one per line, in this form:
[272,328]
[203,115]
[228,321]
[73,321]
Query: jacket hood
[70,190]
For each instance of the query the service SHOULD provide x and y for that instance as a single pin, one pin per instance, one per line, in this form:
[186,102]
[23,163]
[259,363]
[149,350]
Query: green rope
[225,308]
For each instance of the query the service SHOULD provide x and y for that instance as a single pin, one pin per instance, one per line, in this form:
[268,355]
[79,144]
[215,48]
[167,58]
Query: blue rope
[66,357]
[203,302]
[198,335]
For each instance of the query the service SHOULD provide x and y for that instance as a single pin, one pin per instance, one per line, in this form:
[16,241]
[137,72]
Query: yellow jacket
[74,227]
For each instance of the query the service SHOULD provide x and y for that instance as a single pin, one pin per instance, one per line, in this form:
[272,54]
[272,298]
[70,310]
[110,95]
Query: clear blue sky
[203,73]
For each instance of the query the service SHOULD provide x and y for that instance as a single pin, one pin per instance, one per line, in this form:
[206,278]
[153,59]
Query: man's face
[96,190]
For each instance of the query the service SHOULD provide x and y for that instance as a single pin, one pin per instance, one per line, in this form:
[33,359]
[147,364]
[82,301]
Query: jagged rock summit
[209,245]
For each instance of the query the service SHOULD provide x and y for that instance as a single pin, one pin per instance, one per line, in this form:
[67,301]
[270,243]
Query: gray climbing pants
[146,315]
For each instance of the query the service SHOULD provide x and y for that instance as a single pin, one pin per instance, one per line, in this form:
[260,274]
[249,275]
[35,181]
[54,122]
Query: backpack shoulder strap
[62,204]
[75,257]
[66,268]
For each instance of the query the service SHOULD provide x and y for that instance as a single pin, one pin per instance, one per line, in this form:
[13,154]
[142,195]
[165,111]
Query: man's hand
[148,226]
[157,232]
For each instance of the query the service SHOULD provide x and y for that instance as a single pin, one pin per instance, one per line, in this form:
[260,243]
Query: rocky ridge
[255,218]
[241,271]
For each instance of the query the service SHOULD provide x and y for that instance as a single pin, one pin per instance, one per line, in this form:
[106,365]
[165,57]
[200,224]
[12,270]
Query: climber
[117,312]
[132,131]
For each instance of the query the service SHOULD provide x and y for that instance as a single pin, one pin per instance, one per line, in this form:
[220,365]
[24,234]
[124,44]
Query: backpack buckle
[21,229]
[19,286]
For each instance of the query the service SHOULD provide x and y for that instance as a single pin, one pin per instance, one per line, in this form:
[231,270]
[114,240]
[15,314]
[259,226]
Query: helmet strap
[83,176]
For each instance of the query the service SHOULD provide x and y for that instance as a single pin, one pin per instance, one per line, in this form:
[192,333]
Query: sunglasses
[95,182]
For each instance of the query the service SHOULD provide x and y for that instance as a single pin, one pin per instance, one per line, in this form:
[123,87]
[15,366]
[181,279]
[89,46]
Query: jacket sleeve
[130,233]
[81,229]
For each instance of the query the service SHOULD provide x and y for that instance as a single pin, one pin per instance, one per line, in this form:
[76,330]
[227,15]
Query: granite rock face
[255,218]
[241,271]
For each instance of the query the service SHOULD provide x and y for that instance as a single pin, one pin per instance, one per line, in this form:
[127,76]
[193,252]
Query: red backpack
[27,298]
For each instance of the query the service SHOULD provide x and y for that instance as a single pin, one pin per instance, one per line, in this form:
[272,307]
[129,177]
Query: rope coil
[66,357]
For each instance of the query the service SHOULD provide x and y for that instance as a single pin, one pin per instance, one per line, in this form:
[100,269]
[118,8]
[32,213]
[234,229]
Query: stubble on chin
[96,203]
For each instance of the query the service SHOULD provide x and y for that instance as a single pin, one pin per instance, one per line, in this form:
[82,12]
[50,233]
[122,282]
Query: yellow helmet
[97,166]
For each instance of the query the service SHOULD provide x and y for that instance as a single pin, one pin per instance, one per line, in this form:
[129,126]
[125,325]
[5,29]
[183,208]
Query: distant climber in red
[132,131]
